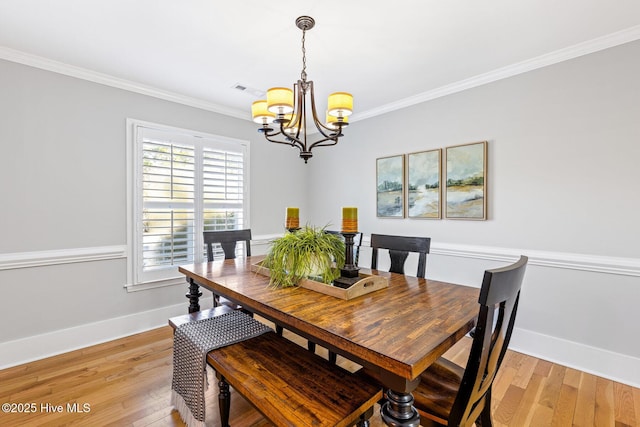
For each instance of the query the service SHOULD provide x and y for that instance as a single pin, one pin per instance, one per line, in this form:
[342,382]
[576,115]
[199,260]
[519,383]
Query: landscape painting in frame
[390,188]
[423,184]
[466,190]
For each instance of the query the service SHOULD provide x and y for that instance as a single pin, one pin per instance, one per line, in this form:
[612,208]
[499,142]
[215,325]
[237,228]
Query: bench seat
[289,385]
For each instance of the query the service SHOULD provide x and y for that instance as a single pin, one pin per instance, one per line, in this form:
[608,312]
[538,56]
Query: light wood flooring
[126,382]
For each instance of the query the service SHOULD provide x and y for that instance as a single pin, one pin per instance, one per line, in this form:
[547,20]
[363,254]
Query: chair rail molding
[566,260]
[574,261]
[15,260]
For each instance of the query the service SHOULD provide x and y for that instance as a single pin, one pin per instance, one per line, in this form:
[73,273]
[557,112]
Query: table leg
[193,295]
[398,410]
[224,401]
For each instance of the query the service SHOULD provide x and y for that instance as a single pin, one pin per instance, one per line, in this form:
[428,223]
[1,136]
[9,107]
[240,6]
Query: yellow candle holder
[349,220]
[292,220]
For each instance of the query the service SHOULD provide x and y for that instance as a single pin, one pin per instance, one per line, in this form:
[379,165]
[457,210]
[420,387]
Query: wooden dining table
[395,332]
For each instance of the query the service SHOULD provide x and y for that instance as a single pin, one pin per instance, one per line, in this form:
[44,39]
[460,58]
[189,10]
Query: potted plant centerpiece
[309,252]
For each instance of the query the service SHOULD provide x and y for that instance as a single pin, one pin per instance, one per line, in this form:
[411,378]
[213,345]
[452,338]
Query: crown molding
[571,52]
[107,80]
[577,50]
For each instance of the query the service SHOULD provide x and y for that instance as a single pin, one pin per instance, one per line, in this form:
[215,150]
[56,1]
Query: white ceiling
[388,54]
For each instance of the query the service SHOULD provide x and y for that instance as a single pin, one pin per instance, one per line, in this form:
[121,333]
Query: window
[183,183]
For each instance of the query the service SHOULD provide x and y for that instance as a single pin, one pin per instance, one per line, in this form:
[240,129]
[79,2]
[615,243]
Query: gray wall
[563,185]
[63,187]
[564,146]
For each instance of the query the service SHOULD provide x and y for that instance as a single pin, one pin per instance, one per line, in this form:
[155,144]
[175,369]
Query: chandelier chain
[303,74]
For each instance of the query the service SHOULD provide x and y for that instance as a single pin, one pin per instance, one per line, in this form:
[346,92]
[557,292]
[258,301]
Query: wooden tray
[367,284]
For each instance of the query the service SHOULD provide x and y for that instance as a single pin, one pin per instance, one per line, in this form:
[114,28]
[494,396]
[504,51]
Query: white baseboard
[603,363]
[28,349]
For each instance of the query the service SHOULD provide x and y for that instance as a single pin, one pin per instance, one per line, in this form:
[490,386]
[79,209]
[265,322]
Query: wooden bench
[289,385]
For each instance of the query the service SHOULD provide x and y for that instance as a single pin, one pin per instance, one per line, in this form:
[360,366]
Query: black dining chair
[228,240]
[450,395]
[399,248]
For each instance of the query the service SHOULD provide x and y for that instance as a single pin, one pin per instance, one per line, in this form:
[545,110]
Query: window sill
[145,286]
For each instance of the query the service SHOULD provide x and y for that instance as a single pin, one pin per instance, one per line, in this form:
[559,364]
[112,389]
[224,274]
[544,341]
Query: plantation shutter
[223,194]
[168,182]
[188,184]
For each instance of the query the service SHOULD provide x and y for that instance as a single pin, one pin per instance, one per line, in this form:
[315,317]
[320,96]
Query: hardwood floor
[126,382]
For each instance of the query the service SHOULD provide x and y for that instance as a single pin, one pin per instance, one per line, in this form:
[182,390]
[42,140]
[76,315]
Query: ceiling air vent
[249,90]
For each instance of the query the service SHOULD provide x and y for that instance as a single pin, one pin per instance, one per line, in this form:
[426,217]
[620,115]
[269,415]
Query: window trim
[134,197]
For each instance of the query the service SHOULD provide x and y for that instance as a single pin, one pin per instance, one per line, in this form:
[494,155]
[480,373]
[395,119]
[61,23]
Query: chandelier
[287,110]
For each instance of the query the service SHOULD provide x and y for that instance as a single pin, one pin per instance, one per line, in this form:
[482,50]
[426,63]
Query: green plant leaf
[309,252]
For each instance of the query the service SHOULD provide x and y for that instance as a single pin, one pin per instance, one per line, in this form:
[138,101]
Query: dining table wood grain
[396,332]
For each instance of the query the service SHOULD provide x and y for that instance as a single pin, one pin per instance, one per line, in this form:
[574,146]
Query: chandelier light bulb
[332,121]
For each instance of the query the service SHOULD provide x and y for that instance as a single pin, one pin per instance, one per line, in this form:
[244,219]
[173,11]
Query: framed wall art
[466,189]
[424,174]
[390,187]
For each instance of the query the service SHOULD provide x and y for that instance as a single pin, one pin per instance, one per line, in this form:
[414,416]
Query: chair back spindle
[399,248]
[227,240]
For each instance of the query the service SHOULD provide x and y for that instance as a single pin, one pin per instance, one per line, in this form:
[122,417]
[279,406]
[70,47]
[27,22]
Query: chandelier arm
[322,128]
[323,143]
[292,142]
[279,142]
[290,137]
[319,125]
[301,113]
[295,139]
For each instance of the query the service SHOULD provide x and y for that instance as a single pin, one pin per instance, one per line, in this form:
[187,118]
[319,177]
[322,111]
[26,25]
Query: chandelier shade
[280,100]
[286,109]
[260,113]
[340,104]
